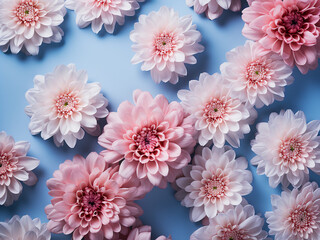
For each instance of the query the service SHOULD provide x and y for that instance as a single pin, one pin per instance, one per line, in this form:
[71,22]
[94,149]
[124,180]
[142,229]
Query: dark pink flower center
[293,21]
[291,150]
[164,44]
[257,74]
[215,110]
[90,200]
[301,219]
[7,165]
[102,3]
[231,232]
[66,104]
[27,12]
[147,140]
[215,187]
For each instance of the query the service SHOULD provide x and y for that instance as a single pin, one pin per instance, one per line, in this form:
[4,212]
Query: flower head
[143,233]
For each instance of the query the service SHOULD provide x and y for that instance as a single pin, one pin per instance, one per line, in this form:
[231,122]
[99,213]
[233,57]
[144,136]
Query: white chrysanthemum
[219,116]
[216,181]
[254,76]
[24,229]
[164,42]
[26,24]
[296,214]
[100,13]
[64,105]
[286,146]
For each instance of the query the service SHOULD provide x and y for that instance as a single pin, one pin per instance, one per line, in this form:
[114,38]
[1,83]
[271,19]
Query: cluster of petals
[143,233]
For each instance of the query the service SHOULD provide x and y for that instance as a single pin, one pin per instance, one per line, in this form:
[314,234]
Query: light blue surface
[107,60]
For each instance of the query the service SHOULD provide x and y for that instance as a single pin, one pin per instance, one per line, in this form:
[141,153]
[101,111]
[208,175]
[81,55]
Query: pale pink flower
[256,77]
[154,138]
[289,28]
[295,214]
[286,147]
[143,233]
[91,199]
[218,116]
[64,105]
[26,24]
[164,42]
[15,167]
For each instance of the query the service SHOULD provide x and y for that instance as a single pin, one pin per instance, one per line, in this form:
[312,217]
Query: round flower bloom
[25,24]
[100,13]
[287,27]
[64,105]
[164,42]
[286,146]
[15,167]
[296,214]
[218,116]
[254,76]
[24,228]
[154,138]
[216,180]
[143,233]
[91,199]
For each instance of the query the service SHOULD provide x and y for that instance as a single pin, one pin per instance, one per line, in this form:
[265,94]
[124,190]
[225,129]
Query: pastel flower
[164,42]
[289,28]
[295,214]
[63,105]
[218,116]
[256,77]
[91,199]
[215,182]
[143,233]
[26,24]
[24,228]
[15,167]
[286,147]
[154,138]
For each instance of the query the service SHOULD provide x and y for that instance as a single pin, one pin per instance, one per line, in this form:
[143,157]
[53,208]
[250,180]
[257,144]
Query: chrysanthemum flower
[91,199]
[15,167]
[219,116]
[287,27]
[64,105]
[296,214]
[216,181]
[254,76]
[143,233]
[286,146]
[164,42]
[26,24]
[154,138]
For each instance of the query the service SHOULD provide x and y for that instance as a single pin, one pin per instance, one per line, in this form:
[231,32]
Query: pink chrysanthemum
[26,24]
[143,233]
[164,42]
[219,116]
[296,214]
[286,146]
[215,181]
[254,76]
[91,199]
[15,167]
[287,27]
[154,138]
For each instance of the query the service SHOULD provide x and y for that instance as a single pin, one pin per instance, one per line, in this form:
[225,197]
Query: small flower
[219,116]
[15,167]
[216,181]
[254,76]
[286,146]
[296,214]
[154,138]
[64,105]
[25,24]
[164,42]
[143,233]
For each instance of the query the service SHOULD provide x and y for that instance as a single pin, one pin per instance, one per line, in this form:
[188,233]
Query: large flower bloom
[15,167]
[286,146]
[219,116]
[254,76]
[164,42]
[154,138]
[296,214]
[287,27]
[216,181]
[91,199]
[143,233]
[64,105]
[26,24]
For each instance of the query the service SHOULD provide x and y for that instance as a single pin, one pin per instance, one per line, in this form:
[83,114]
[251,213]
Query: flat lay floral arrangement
[189,145]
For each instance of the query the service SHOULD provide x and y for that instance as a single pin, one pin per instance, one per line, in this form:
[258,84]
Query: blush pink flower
[164,42]
[154,138]
[289,28]
[91,200]
[143,233]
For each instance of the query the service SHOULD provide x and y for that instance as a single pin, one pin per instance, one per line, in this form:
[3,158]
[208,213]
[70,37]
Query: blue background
[107,59]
